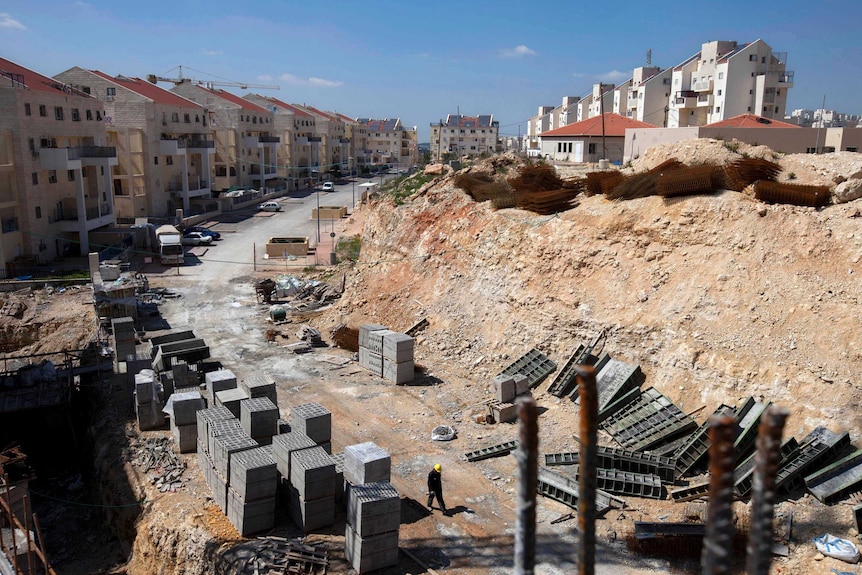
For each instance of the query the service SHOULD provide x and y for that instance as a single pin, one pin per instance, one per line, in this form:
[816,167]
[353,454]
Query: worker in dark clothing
[435,487]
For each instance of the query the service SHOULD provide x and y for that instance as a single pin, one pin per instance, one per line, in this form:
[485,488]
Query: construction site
[620,328]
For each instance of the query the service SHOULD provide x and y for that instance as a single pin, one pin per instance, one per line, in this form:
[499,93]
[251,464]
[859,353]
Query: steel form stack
[251,495]
[371,532]
[311,502]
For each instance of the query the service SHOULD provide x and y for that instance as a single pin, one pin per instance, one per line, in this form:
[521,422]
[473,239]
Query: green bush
[348,248]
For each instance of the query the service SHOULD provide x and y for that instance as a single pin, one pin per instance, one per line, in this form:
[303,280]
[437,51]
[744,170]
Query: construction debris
[277,555]
[164,468]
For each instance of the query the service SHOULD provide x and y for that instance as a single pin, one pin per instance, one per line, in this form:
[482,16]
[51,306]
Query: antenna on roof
[649,57]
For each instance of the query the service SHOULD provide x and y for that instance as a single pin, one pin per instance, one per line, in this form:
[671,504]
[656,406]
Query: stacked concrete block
[398,366]
[312,489]
[204,418]
[340,486]
[184,424]
[231,399]
[522,384]
[366,463]
[504,411]
[284,445]
[367,554]
[226,446]
[504,388]
[259,418]
[315,421]
[260,385]
[218,428]
[219,380]
[365,331]
[371,361]
[135,363]
[183,376]
[148,404]
[252,489]
[371,348]
[124,337]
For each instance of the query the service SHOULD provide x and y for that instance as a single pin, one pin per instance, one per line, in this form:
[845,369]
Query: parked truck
[170,245]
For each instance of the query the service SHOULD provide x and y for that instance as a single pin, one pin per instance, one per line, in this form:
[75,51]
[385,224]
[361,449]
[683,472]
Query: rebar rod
[586,376]
[766,463]
[717,545]
[527,456]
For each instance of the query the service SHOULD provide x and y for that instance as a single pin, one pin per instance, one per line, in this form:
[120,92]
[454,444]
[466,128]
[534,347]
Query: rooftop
[614,125]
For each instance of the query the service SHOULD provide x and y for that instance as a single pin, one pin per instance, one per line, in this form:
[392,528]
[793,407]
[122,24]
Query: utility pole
[602,114]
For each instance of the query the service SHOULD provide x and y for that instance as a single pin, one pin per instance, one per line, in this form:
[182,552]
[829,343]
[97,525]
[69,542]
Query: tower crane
[152,78]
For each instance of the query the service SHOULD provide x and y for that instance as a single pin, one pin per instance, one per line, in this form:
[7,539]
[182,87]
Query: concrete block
[217,428]
[219,380]
[522,384]
[149,416]
[218,484]
[183,376]
[145,389]
[312,473]
[367,554]
[250,517]
[185,407]
[313,514]
[504,388]
[371,361]
[259,418]
[327,446]
[398,373]
[172,337]
[366,463]
[260,385]
[373,508]
[375,340]
[313,420]
[231,399]
[283,447]
[253,474]
[398,347]
[204,417]
[185,436]
[504,412]
[339,476]
[365,330]
[226,445]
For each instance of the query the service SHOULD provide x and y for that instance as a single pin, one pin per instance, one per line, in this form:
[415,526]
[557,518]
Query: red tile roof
[233,98]
[345,119]
[149,90]
[615,125]
[750,121]
[288,107]
[11,72]
[324,114]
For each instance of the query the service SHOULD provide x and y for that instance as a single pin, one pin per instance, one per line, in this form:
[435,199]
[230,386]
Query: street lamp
[317,193]
[353,181]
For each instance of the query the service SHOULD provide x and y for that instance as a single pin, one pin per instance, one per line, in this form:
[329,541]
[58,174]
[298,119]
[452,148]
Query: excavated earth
[717,298]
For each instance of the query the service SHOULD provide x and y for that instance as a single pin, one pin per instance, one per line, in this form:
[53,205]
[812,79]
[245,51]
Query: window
[101,170]
[52,176]
[187,119]
[175,117]
[70,175]
[169,160]
[38,212]
[752,58]
[43,111]
[76,115]
[719,92]
[763,60]
[86,89]
[99,115]
[35,178]
[718,109]
[852,149]
[89,114]
[58,113]
[591,149]
[27,110]
[721,75]
[156,160]
[676,81]
[111,92]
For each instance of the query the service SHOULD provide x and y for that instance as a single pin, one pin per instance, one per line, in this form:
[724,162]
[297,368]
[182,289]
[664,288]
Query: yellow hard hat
[438,468]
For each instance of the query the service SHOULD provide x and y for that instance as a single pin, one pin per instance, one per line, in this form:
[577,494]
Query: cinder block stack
[312,488]
[315,421]
[135,363]
[366,463]
[227,439]
[369,358]
[232,399]
[148,404]
[260,385]
[210,422]
[398,366]
[183,376]
[251,495]
[259,419]
[124,338]
[184,422]
[219,380]
[204,419]
[373,520]
[339,476]
[283,447]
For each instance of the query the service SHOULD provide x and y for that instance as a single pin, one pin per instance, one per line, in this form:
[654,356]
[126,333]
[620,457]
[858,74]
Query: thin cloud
[612,76]
[206,52]
[517,52]
[312,81]
[80,4]
[265,78]
[7,21]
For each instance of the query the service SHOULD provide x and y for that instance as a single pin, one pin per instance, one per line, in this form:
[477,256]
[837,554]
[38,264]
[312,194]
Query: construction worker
[435,487]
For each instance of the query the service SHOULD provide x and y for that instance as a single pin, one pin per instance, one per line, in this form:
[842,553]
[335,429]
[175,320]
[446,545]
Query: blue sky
[422,61]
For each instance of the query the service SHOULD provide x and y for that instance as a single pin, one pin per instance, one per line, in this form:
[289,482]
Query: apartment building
[164,145]
[390,142]
[55,168]
[726,79]
[357,134]
[463,136]
[648,95]
[335,145]
[246,144]
[536,126]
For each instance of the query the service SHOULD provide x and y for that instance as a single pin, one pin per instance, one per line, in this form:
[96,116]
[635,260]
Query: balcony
[704,100]
[75,158]
[96,217]
[172,147]
[702,86]
[195,185]
[261,141]
[686,99]
[199,145]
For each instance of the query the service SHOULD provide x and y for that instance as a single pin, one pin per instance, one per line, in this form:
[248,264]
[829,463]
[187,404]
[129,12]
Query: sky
[420,61]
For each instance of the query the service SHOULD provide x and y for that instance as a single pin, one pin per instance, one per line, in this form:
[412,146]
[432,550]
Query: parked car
[196,239]
[328,186]
[205,231]
[270,207]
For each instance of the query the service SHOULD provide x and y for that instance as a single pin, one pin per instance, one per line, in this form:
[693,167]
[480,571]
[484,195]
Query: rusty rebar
[717,545]
[527,456]
[588,460]
[766,462]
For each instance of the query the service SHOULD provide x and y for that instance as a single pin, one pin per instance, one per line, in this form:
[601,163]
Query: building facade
[390,142]
[601,137]
[55,167]
[464,136]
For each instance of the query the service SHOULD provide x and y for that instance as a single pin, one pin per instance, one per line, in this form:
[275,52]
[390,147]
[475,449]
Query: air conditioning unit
[48,143]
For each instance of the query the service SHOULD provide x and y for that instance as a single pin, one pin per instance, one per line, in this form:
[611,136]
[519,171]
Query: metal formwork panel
[819,446]
[492,451]
[743,475]
[695,449]
[747,419]
[622,460]
[558,486]
[694,491]
[834,482]
[619,404]
[615,378]
[533,365]
[651,421]
[562,383]
[627,483]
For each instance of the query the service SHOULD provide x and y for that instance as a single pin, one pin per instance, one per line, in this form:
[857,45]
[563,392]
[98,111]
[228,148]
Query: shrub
[791,176]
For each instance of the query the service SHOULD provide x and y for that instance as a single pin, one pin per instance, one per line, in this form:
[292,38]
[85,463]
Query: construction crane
[152,78]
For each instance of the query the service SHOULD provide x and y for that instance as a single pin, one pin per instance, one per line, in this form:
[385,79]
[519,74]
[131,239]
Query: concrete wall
[638,141]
